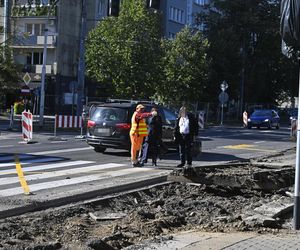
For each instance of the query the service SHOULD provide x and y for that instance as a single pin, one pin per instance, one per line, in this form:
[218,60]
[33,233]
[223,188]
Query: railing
[33,40]
[36,69]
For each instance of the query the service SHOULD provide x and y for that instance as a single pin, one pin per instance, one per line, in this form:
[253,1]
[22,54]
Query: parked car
[264,118]
[109,124]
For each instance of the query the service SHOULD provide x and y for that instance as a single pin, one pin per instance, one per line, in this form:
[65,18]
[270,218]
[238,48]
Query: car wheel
[99,149]
[258,127]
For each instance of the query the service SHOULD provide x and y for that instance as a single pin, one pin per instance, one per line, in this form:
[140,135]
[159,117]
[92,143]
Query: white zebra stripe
[73,181]
[29,161]
[49,166]
[66,172]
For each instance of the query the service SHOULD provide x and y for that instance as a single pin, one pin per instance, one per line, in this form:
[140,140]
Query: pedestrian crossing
[45,173]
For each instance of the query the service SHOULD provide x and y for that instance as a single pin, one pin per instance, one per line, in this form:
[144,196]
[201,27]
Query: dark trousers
[152,144]
[185,149]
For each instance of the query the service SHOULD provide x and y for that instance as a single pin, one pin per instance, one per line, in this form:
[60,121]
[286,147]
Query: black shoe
[180,165]
[136,165]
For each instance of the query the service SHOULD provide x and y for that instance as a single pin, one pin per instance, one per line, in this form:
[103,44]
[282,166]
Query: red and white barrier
[68,121]
[294,126]
[27,126]
[201,120]
[245,119]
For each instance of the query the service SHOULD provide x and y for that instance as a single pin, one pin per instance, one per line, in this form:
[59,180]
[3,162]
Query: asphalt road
[65,170]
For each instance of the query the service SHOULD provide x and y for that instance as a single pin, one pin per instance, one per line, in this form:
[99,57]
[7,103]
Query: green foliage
[185,67]
[8,71]
[18,108]
[125,51]
[244,34]
[22,11]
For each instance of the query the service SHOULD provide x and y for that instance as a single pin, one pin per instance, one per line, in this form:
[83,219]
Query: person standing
[138,132]
[153,142]
[186,129]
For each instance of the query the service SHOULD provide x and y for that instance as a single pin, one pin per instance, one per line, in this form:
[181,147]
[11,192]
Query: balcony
[37,69]
[33,41]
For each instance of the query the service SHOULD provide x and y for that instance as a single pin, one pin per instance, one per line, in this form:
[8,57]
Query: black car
[109,124]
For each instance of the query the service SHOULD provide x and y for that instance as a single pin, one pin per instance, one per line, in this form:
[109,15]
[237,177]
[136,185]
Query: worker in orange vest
[138,131]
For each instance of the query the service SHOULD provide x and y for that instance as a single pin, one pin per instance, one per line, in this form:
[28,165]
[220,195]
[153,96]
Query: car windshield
[109,114]
[262,113]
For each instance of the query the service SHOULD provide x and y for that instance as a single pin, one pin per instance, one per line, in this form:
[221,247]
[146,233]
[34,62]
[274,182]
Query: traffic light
[113,7]
[154,4]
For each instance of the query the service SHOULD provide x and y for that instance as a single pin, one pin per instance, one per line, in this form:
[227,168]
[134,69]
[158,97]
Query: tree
[185,67]
[125,51]
[246,50]
[8,72]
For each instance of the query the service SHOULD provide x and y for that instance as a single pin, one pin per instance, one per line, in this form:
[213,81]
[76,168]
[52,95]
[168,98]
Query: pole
[81,64]
[222,114]
[42,101]
[6,19]
[297,170]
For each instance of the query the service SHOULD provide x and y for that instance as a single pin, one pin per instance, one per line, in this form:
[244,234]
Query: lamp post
[42,100]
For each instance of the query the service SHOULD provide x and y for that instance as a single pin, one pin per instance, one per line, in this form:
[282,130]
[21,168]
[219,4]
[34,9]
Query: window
[35,58]
[202,2]
[176,15]
[100,7]
[170,116]
[1,3]
[1,29]
[105,114]
[35,28]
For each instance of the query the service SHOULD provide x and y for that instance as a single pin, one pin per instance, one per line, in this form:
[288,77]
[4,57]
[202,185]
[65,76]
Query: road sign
[224,85]
[26,78]
[223,97]
[25,90]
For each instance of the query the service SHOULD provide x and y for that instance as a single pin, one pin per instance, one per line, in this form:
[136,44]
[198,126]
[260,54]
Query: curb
[37,206]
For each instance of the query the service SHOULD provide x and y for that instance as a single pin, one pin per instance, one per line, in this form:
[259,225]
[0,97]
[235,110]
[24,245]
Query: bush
[18,107]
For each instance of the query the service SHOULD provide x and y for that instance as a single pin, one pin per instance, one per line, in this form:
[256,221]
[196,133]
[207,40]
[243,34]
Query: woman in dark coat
[154,136]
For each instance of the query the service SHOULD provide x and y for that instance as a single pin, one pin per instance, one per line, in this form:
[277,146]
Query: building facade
[23,24]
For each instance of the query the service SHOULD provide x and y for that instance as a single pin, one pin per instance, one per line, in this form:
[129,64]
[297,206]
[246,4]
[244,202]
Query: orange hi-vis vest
[139,128]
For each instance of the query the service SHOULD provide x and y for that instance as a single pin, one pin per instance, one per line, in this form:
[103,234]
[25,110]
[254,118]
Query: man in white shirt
[186,129]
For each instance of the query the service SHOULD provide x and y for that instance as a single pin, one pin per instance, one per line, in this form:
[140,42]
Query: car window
[262,113]
[170,116]
[109,114]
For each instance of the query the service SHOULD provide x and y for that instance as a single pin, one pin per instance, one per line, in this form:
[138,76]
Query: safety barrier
[201,119]
[68,121]
[245,119]
[27,127]
[294,126]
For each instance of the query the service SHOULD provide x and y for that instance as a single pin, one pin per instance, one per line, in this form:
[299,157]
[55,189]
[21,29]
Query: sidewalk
[192,240]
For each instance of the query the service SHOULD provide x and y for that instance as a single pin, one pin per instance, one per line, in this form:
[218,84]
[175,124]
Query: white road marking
[29,161]
[258,142]
[66,172]
[73,181]
[6,146]
[49,166]
[60,151]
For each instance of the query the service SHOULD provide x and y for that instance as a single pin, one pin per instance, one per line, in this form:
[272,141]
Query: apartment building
[67,22]
[179,13]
